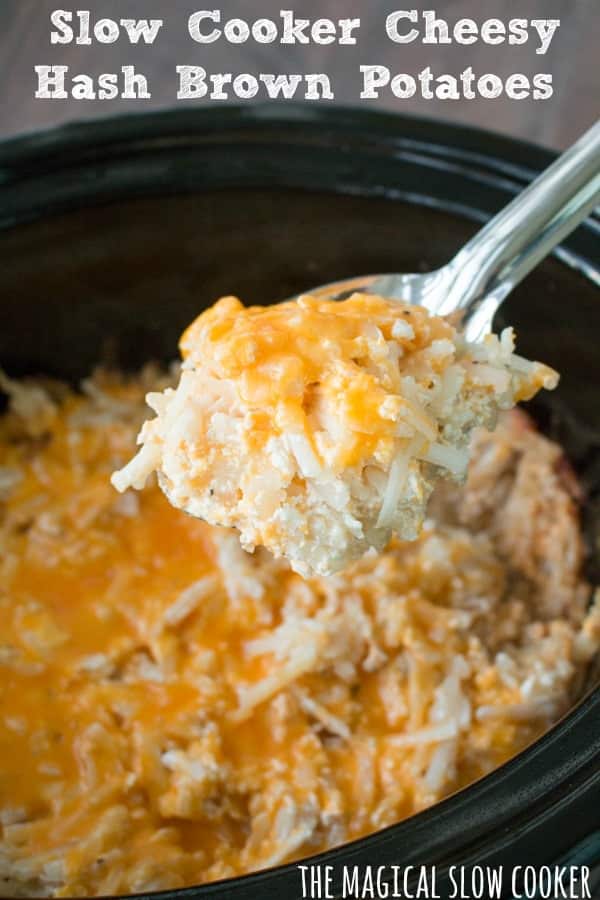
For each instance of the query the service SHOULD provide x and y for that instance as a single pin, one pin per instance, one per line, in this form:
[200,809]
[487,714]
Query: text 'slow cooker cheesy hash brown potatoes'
[175,710]
[317,428]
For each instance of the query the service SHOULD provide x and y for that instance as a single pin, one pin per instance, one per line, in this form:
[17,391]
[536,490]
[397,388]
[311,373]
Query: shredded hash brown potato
[317,428]
[174,710]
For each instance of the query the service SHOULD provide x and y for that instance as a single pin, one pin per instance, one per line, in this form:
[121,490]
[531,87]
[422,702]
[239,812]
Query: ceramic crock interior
[117,282]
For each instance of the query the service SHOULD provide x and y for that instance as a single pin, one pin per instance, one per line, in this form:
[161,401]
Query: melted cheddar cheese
[276,352]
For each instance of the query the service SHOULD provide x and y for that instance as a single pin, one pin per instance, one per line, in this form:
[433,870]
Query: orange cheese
[276,351]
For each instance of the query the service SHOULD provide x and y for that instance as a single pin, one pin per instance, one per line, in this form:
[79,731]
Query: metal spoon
[504,251]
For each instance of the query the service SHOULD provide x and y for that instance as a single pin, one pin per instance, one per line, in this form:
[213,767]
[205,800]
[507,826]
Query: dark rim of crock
[539,805]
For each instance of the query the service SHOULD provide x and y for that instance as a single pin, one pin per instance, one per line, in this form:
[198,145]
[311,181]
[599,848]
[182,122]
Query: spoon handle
[490,265]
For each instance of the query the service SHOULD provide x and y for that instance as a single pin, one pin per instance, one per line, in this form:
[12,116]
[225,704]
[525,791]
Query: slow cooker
[114,234]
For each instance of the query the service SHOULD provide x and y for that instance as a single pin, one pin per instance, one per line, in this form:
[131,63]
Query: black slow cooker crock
[114,234]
